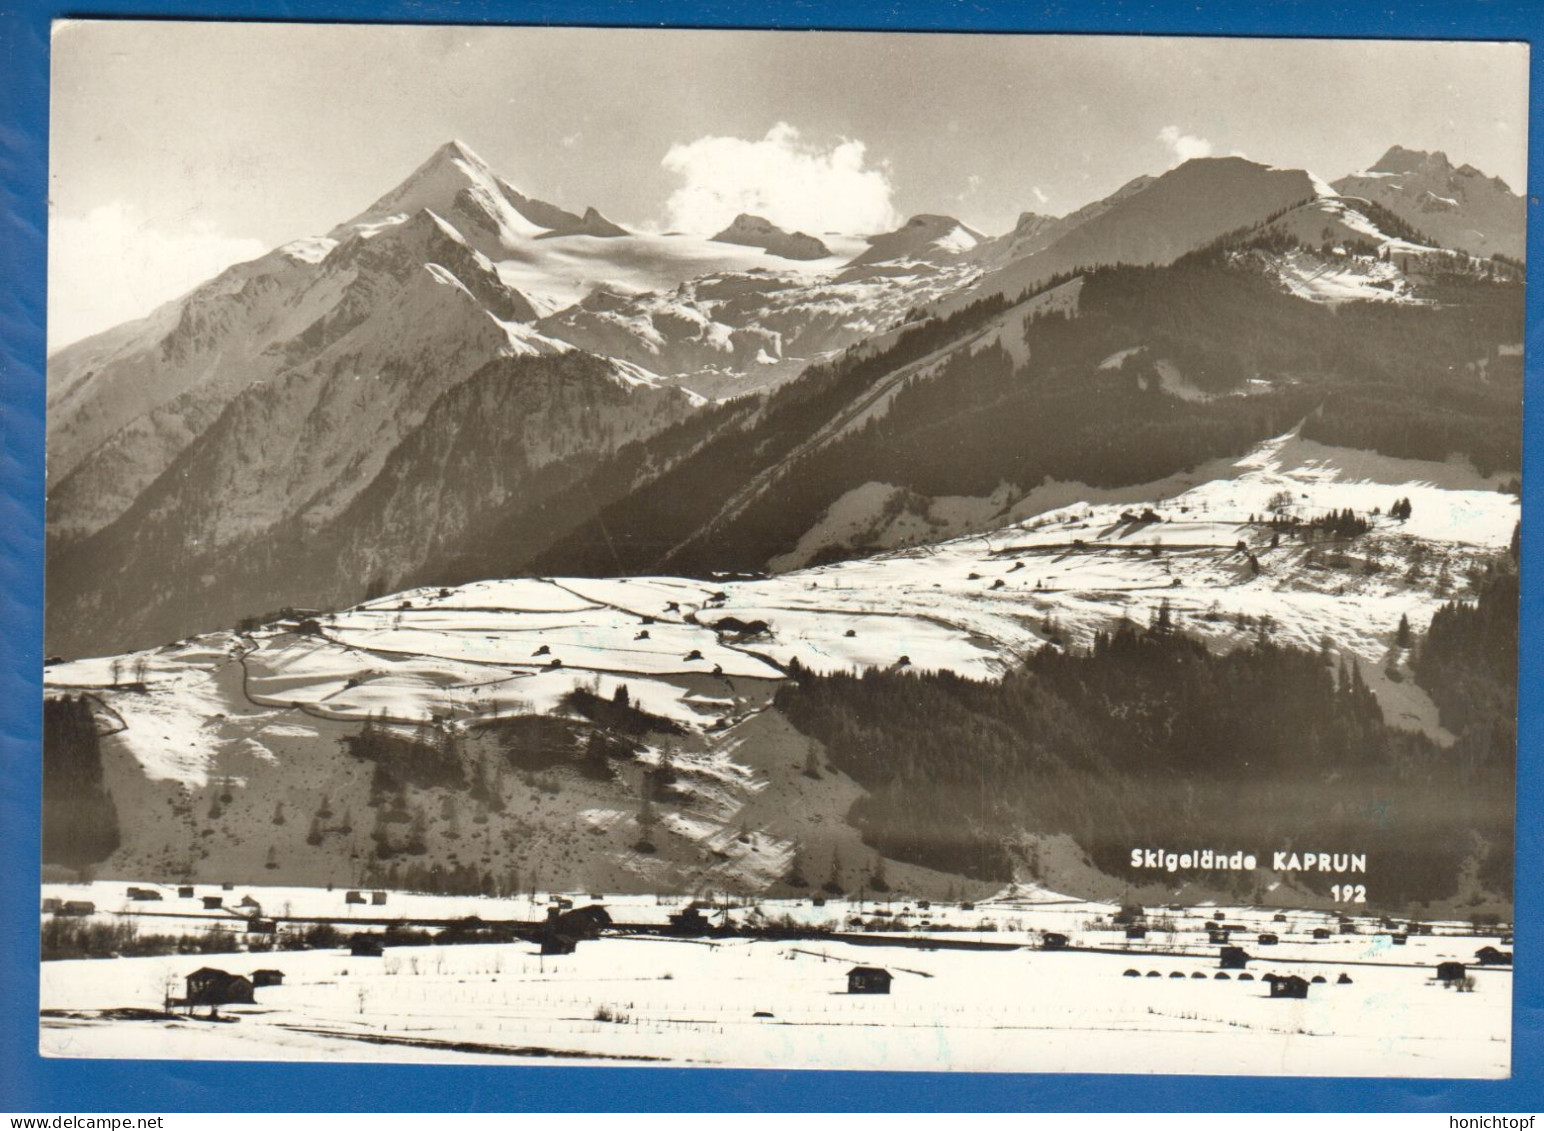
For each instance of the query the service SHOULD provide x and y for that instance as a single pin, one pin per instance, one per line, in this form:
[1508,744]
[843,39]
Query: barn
[365,946]
[1234,958]
[208,986]
[1450,972]
[1490,956]
[1321,932]
[213,902]
[78,907]
[261,978]
[868,980]
[1289,986]
[1053,941]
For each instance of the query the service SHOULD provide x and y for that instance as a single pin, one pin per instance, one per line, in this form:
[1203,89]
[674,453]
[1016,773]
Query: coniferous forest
[1149,740]
[80,822]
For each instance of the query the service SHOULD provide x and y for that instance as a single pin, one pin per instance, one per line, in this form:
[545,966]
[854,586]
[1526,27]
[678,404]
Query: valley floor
[737,1001]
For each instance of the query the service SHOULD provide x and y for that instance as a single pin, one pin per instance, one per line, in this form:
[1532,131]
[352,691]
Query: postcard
[873,551]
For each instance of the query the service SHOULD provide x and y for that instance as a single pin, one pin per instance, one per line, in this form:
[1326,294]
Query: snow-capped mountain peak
[492,214]
[1455,207]
[757,231]
[927,236]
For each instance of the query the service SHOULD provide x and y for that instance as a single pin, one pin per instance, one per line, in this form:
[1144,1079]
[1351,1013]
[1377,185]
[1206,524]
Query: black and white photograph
[884,551]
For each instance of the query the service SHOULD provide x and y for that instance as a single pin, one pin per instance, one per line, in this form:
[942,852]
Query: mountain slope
[1153,221]
[209,542]
[1117,377]
[504,713]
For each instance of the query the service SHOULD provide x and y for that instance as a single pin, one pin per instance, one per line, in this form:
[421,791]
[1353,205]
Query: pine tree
[833,884]
[1402,636]
[795,877]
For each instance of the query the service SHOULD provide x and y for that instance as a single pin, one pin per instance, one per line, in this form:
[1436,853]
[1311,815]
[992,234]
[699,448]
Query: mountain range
[462,377]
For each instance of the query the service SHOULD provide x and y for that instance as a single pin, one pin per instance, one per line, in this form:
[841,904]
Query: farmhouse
[1490,956]
[868,980]
[208,986]
[581,922]
[689,920]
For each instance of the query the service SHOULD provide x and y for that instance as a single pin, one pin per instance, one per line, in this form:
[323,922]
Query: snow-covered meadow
[757,1002]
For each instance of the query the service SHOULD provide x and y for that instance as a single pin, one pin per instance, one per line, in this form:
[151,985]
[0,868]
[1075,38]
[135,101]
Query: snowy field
[765,1003]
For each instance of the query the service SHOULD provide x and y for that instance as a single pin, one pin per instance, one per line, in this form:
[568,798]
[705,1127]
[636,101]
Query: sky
[180,148]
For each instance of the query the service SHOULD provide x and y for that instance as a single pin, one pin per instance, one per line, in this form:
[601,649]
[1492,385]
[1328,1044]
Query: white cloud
[1184,146]
[1039,195]
[796,185]
[111,265]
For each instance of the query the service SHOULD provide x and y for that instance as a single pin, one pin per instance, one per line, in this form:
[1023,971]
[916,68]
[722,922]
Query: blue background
[31,1083]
